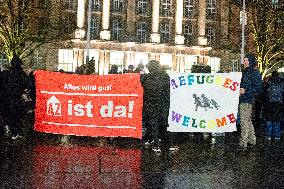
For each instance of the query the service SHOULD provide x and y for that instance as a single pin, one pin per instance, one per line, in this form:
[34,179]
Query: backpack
[275,92]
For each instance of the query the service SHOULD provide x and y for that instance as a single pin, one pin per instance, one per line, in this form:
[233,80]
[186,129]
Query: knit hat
[16,63]
[251,59]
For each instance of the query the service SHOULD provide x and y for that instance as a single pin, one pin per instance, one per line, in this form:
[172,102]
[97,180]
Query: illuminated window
[96,5]
[214,63]
[189,62]
[188,33]
[166,59]
[142,32]
[188,8]
[210,33]
[165,32]
[166,8]
[116,29]
[95,55]
[117,6]
[65,60]
[141,57]
[116,58]
[211,9]
[142,7]
[71,4]
[94,28]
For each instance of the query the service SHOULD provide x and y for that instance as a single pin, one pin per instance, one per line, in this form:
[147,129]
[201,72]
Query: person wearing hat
[251,85]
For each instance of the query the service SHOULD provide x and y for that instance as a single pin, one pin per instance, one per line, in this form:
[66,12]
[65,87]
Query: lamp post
[130,45]
[243,21]
[88,31]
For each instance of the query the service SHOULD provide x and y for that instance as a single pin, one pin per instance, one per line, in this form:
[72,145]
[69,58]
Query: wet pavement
[85,162]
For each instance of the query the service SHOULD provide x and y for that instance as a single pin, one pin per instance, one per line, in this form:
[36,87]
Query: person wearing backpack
[273,106]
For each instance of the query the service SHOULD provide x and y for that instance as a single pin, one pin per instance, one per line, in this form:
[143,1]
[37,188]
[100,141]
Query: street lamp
[243,21]
[89,28]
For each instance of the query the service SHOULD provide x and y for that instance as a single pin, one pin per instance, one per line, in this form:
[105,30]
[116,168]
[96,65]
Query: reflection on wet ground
[82,162]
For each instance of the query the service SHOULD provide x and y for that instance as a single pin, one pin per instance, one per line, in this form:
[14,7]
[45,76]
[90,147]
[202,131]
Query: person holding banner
[251,85]
[156,86]
[13,85]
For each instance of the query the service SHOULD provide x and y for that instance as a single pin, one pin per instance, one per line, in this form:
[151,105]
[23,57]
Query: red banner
[89,105]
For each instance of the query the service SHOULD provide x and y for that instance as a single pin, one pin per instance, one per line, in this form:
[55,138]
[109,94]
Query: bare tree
[25,25]
[265,31]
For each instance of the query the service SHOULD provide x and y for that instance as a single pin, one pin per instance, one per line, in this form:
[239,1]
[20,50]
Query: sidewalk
[125,163]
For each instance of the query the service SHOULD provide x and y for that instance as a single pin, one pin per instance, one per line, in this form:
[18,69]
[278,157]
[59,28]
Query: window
[210,33]
[69,24]
[189,62]
[3,60]
[236,67]
[142,32]
[22,26]
[211,9]
[94,28]
[275,2]
[141,57]
[166,60]
[188,8]
[116,58]
[65,60]
[188,33]
[70,4]
[44,4]
[38,62]
[93,54]
[214,63]
[166,8]
[96,5]
[116,29]
[117,6]
[23,4]
[165,32]
[142,7]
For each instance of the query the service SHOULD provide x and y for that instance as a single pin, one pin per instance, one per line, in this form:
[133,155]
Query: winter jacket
[273,111]
[156,94]
[252,83]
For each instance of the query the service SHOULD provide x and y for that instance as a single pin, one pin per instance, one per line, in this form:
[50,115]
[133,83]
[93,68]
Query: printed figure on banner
[53,107]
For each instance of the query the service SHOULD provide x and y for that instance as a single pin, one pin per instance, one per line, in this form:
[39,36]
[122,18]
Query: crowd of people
[17,96]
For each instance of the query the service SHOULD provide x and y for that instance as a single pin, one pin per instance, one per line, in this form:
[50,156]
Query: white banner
[204,102]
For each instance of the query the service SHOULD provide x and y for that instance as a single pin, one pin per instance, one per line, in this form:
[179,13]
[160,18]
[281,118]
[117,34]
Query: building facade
[178,33]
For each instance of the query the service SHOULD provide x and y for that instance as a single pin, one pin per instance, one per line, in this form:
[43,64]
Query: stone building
[178,33]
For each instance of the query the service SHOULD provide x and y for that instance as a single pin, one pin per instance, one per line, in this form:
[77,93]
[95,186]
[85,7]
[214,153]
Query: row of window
[143,30]
[143,7]
[66,56]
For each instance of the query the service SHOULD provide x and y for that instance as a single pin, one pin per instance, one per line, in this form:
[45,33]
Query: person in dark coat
[140,68]
[156,86]
[273,106]
[130,69]
[113,69]
[250,87]
[13,84]
[32,88]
